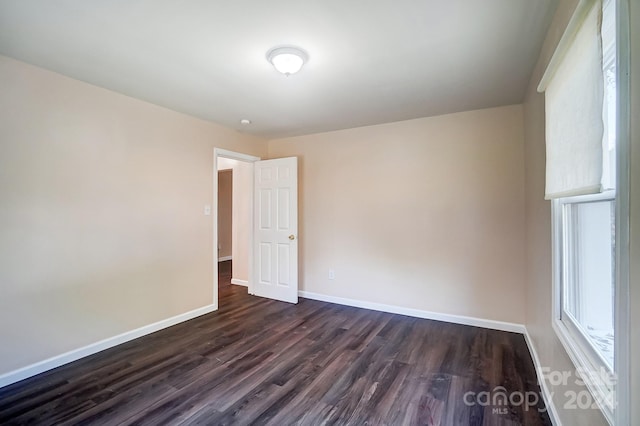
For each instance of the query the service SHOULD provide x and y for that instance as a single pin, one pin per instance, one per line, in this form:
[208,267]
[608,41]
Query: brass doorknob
[292,237]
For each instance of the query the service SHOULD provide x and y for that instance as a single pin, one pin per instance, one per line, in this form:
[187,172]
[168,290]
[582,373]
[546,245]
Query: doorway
[233,223]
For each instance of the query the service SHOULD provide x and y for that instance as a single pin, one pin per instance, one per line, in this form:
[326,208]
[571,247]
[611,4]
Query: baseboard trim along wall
[546,394]
[457,319]
[240,282]
[224,258]
[74,355]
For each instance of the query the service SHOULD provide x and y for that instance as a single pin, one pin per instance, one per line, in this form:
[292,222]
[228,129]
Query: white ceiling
[370,61]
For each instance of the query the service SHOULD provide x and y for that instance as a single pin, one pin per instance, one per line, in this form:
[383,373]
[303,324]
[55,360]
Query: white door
[276,229]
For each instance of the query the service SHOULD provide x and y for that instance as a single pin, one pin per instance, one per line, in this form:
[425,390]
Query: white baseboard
[239,282]
[457,319]
[224,258]
[67,357]
[546,394]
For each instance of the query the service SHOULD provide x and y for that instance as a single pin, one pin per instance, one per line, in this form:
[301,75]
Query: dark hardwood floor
[257,361]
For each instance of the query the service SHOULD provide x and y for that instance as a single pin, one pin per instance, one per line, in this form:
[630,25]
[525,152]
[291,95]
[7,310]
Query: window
[587,251]
[581,103]
[584,315]
[586,237]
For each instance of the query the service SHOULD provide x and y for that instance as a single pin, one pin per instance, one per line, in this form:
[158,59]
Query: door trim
[223,153]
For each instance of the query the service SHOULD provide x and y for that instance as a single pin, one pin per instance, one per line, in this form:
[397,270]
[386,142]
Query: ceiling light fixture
[287,60]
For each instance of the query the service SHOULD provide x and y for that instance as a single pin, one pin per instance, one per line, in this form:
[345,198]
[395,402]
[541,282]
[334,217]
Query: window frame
[623,148]
[598,377]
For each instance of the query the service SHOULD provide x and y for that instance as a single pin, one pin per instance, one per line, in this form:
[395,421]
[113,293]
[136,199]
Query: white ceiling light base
[287,60]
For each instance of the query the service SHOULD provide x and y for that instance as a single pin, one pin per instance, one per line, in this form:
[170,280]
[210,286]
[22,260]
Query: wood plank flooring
[257,361]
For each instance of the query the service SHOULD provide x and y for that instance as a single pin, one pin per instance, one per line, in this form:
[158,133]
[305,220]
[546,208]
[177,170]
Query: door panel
[276,229]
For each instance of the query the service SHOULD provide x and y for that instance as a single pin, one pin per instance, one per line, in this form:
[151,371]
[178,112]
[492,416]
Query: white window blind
[577,162]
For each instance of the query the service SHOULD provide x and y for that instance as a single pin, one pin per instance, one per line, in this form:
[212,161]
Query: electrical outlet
[332,274]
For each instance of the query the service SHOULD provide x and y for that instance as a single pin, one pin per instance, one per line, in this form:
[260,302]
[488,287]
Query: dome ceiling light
[287,60]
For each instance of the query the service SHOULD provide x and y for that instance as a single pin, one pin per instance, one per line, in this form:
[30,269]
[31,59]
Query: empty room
[418,212]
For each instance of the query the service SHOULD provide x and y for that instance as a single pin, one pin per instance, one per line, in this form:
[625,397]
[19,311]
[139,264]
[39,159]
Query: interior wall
[425,214]
[225,212]
[242,214]
[101,221]
[539,288]
[242,221]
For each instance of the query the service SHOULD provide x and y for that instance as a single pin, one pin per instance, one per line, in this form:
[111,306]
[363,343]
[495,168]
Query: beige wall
[101,212]
[538,224]
[243,219]
[225,212]
[425,214]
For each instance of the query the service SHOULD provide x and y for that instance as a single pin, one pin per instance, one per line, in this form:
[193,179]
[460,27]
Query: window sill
[596,376]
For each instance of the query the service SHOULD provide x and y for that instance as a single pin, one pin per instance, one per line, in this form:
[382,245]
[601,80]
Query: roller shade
[574,95]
